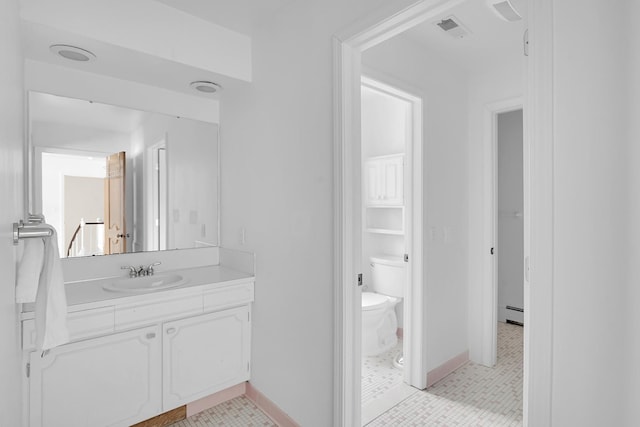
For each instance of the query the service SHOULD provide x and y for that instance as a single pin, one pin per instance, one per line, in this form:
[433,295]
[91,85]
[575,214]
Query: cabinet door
[204,354]
[374,181]
[393,189]
[109,381]
[385,181]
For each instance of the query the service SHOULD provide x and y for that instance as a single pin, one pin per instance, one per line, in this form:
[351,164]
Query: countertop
[89,294]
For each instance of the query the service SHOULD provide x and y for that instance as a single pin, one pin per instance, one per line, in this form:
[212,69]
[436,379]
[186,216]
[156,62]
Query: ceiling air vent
[453,27]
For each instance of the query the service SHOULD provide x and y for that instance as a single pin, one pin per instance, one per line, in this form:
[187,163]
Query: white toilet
[379,321]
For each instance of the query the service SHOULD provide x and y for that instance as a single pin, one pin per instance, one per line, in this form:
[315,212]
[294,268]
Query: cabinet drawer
[157,311]
[228,296]
[81,324]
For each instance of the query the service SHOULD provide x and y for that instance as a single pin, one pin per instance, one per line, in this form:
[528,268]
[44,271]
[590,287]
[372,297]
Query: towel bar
[30,230]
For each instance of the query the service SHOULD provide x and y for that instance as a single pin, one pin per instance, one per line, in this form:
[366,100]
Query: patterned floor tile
[379,375]
[238,412]
[473,395]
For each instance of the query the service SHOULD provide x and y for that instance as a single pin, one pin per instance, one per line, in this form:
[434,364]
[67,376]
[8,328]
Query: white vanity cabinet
[108,381]
[204,354]
[141,357]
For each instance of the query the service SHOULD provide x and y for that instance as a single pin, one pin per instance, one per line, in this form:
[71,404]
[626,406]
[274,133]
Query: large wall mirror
[115,180]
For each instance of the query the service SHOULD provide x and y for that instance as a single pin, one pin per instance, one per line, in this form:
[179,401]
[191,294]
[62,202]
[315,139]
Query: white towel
[51,299]
[29,270]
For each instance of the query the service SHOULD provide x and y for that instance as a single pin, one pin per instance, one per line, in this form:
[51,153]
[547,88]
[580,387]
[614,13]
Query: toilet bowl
[379,321]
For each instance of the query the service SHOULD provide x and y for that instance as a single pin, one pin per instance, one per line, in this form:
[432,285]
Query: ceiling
[492,39]
[237,15]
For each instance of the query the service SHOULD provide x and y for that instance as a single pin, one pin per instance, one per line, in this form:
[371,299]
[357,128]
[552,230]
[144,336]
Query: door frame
[414,330]
[490,278]
[381,25]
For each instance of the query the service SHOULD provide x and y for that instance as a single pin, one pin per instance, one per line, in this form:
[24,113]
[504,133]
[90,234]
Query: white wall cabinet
[384,189]
[204,354]
[384,179]
[146,365]
[108,381]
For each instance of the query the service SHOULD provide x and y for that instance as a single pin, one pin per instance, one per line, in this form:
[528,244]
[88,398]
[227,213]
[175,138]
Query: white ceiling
[492,40]
[237,15]
[118,62]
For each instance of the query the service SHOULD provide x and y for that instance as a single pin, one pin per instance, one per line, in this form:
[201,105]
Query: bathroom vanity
[133,356]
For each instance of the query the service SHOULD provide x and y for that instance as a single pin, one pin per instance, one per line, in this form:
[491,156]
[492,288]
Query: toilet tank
[388,275]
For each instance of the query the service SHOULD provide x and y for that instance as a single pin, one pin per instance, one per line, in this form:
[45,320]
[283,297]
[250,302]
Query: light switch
[433,233]
[446,234]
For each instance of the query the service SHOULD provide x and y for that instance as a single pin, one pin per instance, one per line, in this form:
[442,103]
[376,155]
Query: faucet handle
[132,270]
[150,268]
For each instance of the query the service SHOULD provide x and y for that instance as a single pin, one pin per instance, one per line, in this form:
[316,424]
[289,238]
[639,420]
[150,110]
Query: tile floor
[473,395]
[379,375]
[238,412]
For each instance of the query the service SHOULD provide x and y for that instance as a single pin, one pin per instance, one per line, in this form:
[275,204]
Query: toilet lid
[371,301]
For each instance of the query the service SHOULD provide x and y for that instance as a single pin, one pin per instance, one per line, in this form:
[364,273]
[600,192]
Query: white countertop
[89,294]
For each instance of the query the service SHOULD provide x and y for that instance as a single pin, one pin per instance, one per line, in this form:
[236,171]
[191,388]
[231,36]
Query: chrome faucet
[149,271]
[140,271]
[132,270]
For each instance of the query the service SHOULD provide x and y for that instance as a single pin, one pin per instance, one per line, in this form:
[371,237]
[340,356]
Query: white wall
[444,94]
[277,176]
[502,82]
[632,411]
[11,161]
[510,216]
[591,213]
[384,123]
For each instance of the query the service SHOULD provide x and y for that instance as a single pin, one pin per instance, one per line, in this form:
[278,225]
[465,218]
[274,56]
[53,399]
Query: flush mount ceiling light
[72,53]
[205,86]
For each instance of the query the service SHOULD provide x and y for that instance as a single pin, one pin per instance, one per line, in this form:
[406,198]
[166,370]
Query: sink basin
[144,284]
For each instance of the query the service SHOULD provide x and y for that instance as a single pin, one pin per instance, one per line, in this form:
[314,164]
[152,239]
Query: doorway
[156,192]
[537,208]
[71,196]
[510,227]
[391,246]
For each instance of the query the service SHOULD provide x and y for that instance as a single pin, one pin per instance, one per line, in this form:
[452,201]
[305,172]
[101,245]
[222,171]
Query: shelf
[384,206]
[384,221]
[385,231]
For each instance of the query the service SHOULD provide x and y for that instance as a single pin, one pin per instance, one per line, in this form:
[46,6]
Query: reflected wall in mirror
[114,180]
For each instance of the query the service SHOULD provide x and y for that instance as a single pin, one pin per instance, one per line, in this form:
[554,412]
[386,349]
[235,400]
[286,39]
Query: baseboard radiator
[511,308]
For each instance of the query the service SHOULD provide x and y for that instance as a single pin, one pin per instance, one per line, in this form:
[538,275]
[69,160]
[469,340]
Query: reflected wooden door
[115,241]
